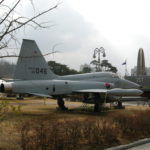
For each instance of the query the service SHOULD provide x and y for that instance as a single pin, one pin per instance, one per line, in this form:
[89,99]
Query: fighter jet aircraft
[33,76]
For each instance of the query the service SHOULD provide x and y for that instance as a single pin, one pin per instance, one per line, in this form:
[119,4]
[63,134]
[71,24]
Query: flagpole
[125,67]
[126,71]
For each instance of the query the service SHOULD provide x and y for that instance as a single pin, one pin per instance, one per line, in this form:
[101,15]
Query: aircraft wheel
[119,105]
[97,103]
[19,97]
[61,103]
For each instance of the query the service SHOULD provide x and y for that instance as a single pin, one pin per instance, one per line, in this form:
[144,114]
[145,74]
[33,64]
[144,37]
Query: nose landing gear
[97,103]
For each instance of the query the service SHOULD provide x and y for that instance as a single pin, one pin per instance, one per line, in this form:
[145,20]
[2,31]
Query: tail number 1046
[40,70]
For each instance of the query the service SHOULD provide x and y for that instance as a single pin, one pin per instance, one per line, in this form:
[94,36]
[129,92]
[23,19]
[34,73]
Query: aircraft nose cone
[135,85]
[131,85]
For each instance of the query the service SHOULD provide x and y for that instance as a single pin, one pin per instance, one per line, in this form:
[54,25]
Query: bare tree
[11,22]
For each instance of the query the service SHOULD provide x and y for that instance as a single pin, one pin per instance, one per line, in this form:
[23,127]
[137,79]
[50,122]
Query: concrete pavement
[143,144]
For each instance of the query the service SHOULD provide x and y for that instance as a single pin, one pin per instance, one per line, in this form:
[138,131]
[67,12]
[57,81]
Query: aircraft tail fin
[31,64]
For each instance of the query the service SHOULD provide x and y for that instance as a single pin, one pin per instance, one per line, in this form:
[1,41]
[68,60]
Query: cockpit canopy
[115,76]
[106,75]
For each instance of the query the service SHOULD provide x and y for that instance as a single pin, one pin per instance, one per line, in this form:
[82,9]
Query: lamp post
[98,51]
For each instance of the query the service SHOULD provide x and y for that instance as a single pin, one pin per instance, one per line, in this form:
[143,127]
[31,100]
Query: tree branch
[10,24]
[11,10]
[1,2]
[17,56]
[31,19]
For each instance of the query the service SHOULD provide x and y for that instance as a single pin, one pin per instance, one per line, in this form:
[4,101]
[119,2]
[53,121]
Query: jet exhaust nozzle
[5,87]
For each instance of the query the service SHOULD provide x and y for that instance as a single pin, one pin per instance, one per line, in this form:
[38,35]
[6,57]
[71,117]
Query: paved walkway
[143,144]
[141,147]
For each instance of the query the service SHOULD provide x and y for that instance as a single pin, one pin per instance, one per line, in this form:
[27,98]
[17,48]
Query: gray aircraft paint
[35,77]
[53,87]
[143,80]
[58,87]
[31,65]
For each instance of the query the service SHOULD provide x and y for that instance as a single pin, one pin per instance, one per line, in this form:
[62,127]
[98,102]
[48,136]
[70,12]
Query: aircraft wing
[92,91]
[115,91]
[39,94]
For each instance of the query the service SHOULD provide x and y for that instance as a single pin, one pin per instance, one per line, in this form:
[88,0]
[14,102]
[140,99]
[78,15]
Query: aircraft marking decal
[37,70]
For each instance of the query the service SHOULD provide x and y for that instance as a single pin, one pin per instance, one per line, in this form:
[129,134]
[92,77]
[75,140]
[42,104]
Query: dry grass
[89,130]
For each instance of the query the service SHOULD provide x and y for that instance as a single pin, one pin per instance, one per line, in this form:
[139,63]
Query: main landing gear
[97,102]
[96,98]
[19,97]
[119,104]
[61,104]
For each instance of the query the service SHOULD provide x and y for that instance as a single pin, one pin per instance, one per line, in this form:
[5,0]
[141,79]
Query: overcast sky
[80,26]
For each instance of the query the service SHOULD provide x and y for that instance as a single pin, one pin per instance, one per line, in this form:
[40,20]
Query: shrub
[103,132]
[66,135]
[4,108]
[83,134]
[135,125]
